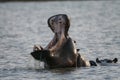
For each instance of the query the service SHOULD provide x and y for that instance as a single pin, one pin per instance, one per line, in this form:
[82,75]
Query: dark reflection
[63,70]
[57,70]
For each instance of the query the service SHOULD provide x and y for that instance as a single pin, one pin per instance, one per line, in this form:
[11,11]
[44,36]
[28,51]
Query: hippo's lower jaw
[40,54]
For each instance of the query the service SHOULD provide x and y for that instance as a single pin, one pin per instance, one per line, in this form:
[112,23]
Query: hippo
[61,51]
[105,62]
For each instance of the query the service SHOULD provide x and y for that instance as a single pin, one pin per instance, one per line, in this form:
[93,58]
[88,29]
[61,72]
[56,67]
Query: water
[95,25]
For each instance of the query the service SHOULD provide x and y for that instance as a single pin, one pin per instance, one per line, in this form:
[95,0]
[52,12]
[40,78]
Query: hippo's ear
[92,63]
[97,60]
[115,60]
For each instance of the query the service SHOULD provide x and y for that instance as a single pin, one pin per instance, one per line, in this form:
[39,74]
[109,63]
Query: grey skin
[115,60]
[61,51]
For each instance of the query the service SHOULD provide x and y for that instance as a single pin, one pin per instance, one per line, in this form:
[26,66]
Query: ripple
[94,25]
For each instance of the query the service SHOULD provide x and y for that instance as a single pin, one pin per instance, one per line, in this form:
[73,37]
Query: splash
[34,64]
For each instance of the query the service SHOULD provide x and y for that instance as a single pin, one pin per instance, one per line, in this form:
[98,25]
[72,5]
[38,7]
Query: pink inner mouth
[59,24]
[59,36]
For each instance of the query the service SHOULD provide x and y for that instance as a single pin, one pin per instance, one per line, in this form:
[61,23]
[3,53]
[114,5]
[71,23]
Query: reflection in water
[63,70]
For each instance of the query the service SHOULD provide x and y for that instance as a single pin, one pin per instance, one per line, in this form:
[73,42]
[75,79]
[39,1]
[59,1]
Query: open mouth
[58,23]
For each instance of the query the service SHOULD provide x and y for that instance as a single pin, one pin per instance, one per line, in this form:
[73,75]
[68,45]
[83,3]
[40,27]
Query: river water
[95,25]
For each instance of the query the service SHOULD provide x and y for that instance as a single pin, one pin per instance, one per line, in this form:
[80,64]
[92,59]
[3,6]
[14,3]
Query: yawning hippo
[61,51]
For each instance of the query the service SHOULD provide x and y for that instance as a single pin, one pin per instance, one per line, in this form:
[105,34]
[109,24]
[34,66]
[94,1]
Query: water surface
[95,25]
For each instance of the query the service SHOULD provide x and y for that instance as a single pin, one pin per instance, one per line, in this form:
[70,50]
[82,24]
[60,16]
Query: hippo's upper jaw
[59,22]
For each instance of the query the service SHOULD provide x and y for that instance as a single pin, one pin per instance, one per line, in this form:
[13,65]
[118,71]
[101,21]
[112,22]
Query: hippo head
[58,23]
[105,62]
